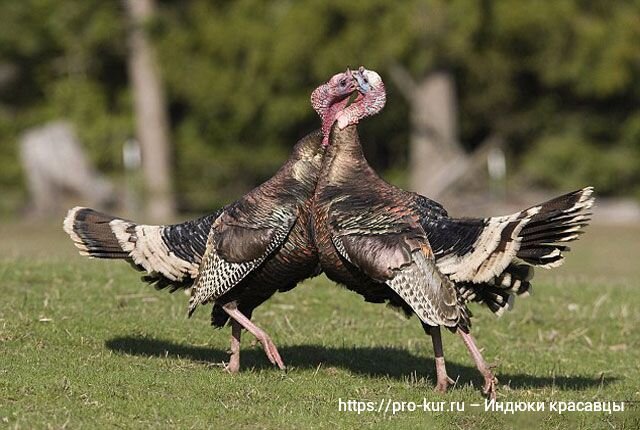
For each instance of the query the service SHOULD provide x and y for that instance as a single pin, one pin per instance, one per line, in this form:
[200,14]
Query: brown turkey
[395,246]
[238,256]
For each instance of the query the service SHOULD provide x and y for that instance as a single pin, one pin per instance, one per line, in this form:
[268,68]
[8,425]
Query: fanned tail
[491,260]
[557,222]
[169,254]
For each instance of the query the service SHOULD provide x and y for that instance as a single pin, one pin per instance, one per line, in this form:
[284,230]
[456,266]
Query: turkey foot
[234,358]
[267,344]
[490,381]
[490,384]
[442,379]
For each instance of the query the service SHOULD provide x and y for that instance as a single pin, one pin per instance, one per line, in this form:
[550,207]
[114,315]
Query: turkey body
[395,246]
[172,255]
[489,260]
[295,258]
[252,248]
[368,231]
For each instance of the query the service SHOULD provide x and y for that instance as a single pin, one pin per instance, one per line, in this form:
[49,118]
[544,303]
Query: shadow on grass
[371,361]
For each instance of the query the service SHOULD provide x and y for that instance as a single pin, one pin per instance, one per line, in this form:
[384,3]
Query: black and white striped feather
[169,254]
[219,272]
[491,260]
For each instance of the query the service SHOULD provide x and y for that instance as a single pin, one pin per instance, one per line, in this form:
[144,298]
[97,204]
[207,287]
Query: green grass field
[86,344]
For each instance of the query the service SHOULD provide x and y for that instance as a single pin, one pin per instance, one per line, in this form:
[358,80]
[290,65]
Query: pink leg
[234,358]
[268,345]
[490,380]
[442,379]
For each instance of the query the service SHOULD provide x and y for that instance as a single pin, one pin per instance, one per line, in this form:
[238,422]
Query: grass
[86,344]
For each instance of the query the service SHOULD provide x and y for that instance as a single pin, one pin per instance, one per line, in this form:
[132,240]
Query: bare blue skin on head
[362,81]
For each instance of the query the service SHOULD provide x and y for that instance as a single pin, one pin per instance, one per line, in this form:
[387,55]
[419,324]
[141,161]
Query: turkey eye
[343,83]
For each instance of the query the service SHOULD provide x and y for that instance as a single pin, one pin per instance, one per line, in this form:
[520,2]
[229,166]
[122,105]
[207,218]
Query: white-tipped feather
[508,306]
[586,197]
[483,263]
[516,285]
[506,280]
[568,238]
[500,311]
[147,249]
[67,226]
[551,256]
[119,229]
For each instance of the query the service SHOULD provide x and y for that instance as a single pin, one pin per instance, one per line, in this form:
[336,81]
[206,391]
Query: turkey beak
[363,85]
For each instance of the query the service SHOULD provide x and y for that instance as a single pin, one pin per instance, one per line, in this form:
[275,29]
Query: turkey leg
[268,345]
[490,380]
[442,379]
[234,358]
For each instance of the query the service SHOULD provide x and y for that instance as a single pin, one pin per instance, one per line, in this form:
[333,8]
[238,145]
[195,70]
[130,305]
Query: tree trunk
[152,126]
[433,145]
[434,131]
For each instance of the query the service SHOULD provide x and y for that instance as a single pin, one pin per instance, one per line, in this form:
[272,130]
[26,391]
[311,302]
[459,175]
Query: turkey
[399,247]
[238,256]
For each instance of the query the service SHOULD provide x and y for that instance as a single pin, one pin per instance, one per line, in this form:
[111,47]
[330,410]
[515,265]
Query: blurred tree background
[558,81]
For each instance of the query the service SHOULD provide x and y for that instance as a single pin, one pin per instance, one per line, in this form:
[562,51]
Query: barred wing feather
[233,251]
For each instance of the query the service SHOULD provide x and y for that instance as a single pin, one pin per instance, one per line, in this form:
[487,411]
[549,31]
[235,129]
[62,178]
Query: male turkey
[240,255]
[394,246]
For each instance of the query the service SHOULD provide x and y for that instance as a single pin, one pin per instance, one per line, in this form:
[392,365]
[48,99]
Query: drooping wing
[388,247]
[234,249]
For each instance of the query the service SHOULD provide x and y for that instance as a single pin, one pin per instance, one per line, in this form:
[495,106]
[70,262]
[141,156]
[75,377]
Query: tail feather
[169,254]
[91,233]
[556,234]
[542,243]
[558,221]
[491,260]
[499,294]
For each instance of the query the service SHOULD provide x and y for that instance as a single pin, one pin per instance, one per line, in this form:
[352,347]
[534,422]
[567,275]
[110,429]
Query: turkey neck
[344,160]
[346,172]
[308,155]
[297,178]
